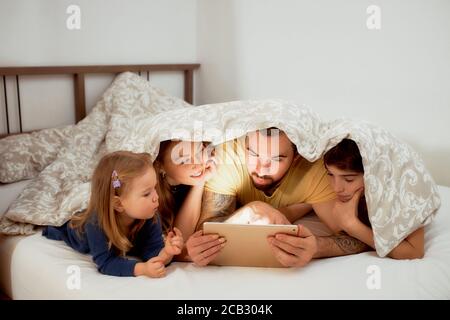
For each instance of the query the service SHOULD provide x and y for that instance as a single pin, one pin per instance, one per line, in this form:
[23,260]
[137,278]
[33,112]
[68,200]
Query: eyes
[187,158]
[183,160]
[149,192]
[346,179]
[254,154]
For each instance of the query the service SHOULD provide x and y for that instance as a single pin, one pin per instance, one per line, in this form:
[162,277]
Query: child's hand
[155,268]
[174,242]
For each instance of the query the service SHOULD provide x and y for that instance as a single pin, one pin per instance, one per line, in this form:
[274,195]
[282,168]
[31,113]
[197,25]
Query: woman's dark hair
[345,155]
[166,199]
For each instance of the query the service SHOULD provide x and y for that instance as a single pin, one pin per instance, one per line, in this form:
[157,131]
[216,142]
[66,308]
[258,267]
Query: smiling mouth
[196,175]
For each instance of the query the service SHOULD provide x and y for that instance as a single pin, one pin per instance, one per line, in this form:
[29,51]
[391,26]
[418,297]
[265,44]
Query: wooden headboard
[79,72]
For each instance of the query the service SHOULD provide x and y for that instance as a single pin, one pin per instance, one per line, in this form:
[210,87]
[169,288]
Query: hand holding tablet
[247,243]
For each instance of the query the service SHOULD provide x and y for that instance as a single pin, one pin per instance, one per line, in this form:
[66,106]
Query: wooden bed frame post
[79,72]
[80,99]
[189,86]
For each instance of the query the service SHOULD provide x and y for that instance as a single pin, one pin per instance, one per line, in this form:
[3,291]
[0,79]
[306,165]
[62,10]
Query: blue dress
[147,244]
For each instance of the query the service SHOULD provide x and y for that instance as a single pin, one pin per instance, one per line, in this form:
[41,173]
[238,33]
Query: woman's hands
[210,168]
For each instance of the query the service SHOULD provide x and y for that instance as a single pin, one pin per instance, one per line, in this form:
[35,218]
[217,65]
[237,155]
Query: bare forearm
[165,256]
[189,214]
[410,248]
[139,269]
[405,251]
[339,245]
[362,232]
[216,207]
[295,211]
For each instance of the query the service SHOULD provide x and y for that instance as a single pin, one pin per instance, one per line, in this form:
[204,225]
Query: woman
[346,174]
[182,168]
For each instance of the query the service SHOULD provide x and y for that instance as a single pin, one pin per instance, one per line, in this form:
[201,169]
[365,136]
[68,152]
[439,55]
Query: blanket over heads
[132,115]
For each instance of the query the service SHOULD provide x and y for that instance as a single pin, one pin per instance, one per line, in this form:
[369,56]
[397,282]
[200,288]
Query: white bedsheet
[39,270]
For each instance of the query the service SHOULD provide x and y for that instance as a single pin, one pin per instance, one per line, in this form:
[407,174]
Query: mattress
[34,267]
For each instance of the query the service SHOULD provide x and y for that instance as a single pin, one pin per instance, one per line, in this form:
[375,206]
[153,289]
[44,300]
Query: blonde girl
[122,220]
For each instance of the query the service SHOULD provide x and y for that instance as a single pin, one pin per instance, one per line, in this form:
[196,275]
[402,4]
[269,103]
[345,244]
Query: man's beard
[263,187]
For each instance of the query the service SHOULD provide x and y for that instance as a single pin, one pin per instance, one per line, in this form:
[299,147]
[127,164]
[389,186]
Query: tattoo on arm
[216,207]
[349,245]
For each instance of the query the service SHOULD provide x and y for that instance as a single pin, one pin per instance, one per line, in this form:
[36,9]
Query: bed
[33,267]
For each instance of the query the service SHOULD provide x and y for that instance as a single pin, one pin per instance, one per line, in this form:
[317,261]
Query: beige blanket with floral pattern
[401,194]
[62,187]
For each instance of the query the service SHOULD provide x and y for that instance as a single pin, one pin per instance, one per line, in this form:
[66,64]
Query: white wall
[317,52]
[112,32]
[34,33]
[321,53]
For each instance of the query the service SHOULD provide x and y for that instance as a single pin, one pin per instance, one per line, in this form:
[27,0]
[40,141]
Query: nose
[155,197]
[263,166]
[338,186]
[265,163]
[197,167]
[200,158]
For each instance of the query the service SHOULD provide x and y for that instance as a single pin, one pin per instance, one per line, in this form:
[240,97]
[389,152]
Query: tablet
[247,244]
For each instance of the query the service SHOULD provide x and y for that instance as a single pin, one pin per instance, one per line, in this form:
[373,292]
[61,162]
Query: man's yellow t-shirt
[304,182]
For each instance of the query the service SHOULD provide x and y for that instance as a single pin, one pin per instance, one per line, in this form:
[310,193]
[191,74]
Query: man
[265,167]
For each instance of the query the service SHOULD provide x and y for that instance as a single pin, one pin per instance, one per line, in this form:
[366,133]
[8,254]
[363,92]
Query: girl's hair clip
[115,180]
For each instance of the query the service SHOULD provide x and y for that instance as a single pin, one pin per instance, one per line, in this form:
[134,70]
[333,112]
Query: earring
[163,174]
